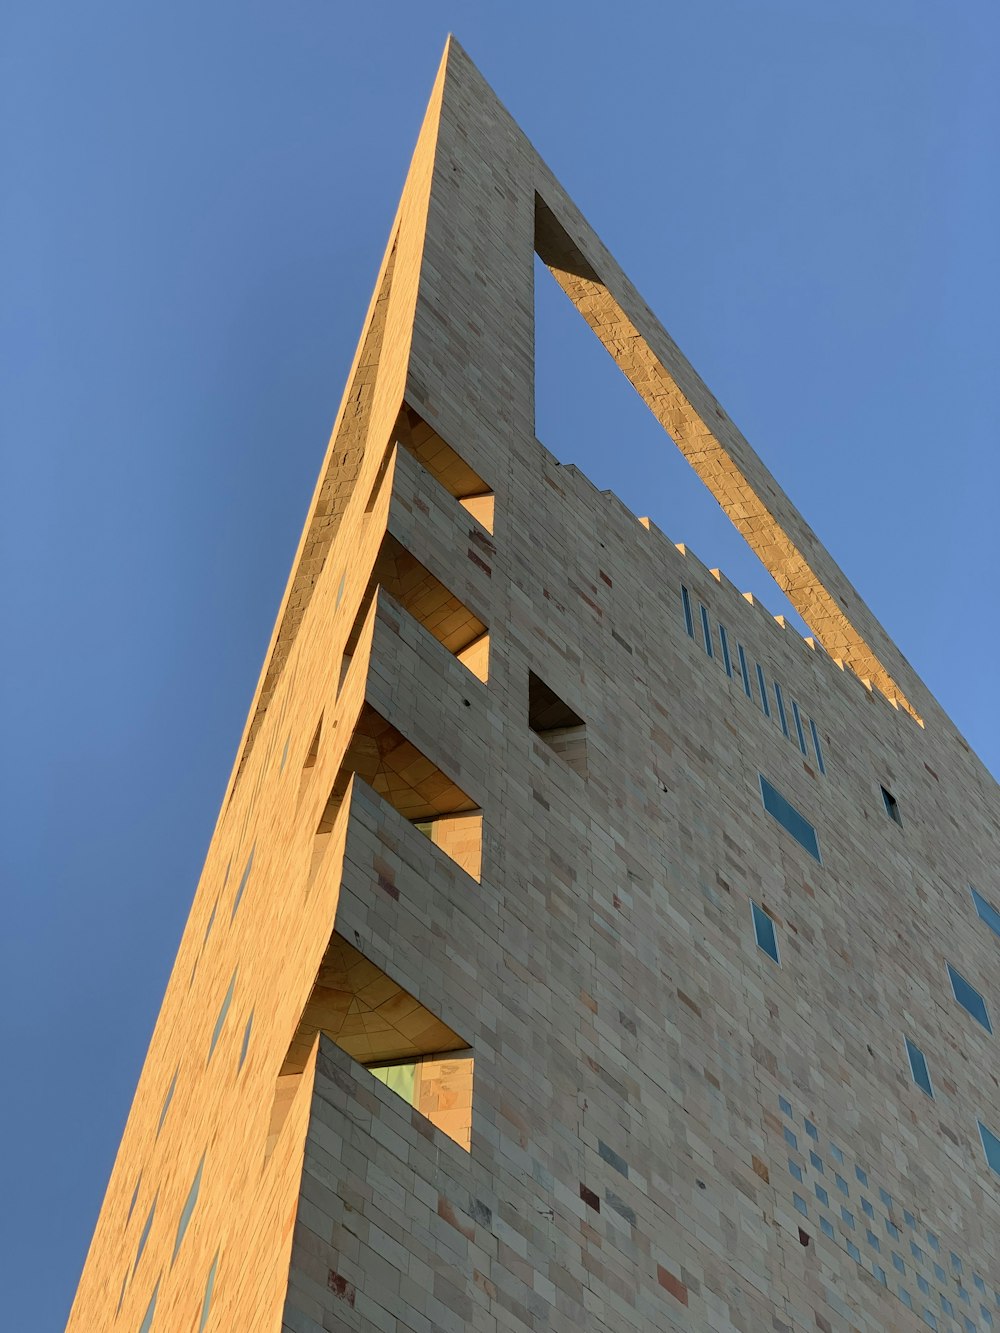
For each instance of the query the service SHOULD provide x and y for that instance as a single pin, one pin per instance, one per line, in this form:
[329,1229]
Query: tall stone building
[578,947]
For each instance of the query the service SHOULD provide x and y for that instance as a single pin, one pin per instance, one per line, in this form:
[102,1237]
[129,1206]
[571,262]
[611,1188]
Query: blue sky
[195,201]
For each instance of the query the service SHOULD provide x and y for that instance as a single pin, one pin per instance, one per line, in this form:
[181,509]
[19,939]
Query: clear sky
[195,198]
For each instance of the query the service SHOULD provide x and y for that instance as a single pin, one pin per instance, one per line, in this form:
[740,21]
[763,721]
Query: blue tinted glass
[923,1284]
[206,1304]
[762,686]
[795,1169]
[854,1252]
[779,699]
[918,1067]
[686,604]
[991,1147]
[811,1129]
[785,1105]
[867,1208]
[744,671]
[879,1274]
[217,1030]
[764,933]
[822,1195]
[790,1139]
[885,1196]
[891,1229]
[246,1041]
[800,1204]
[147,1322]
[932,1241]
[816,746]
[837,1155]
[817,1162]
[727,661]
[799,734]
[929,1319]
[873,1240]
[788,817]
[826,1226]
[905,1297]
[706,630]
[166,1102]
[987,913]
[917,1252]
[939,1273]
[969,998]
[980,1284]
[841,1183]
[909,1219]
[848,1217]
[861,1175]
[955,1261]
[243,882]
[188,1208]
[897,1263]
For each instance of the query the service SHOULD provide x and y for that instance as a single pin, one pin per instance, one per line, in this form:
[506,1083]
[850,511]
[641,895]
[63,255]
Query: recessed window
[969,998]
[799,733]
[744,671]
[918,1067]
[188,1208]
[166,1102]
[243,882]
[991,1147]
[779,699]
[986,911]
[206,1305]
[147,1321]
[245,1046]
[706,629]
[727,660]
[220,1021]
[817,747]
[554,722]
[762,686]
[688,617]
[135,1196]
[438,1086]
[147,1227]
[891,806]
[787,816]
[764,932]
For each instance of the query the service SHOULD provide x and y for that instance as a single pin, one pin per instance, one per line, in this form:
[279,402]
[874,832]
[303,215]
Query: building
[653,923]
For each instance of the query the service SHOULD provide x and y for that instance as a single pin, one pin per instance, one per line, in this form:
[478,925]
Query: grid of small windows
[805,731]
[939,1289]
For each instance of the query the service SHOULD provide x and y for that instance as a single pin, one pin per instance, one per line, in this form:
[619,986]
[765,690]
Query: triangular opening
[588,414]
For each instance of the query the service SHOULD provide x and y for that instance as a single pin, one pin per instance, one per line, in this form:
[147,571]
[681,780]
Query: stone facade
[494,831]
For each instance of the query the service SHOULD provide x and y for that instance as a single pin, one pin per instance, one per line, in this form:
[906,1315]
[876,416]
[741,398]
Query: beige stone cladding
[495,829]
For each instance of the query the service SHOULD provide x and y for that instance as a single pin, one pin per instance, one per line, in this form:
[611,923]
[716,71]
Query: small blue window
[980,1284]
[848,1216]
[986,912]
[817,1162]
[147,1321]
[891,1229]
[688,617]
[206,1304]
[762,686]
[811,1130]
[867,1208]
[939,1273]
[933,1241]
[800,1205]
[188,1208]
[243,882]
[837,1155]
[905,1297]
[879,1274]
[727,660]
[929,1319]
[917,1252]
[764,932]
[147,1227]
[166,1101]
[969,998]
[794,1169]
[799,733]
[822,1195]
[779,699]
[908,1218]
[841,1183]
[897,1262]
[217,1030]
[817,747]
[885,1196]
[923,1284]
[785,1105]
[873,1240]
[706,629]
[744,671]
[853,1251]
[991,1147]
[827,1227]
[790,1139]
[788,817]
[918,1067]
[246,1041]
[861,1174]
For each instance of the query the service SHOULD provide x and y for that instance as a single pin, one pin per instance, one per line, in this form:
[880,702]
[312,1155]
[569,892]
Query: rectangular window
[744,671]
[764,932]
[891,806]
[817,747]
[688,617]
[918,1067]
[800,735]
[727,661]
[969,998]
[779,699]
[762,686]
[788,817]
[706,629]
[986,912]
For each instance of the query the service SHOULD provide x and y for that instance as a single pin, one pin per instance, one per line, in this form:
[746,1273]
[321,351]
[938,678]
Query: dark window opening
[891,806]
[554,722]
